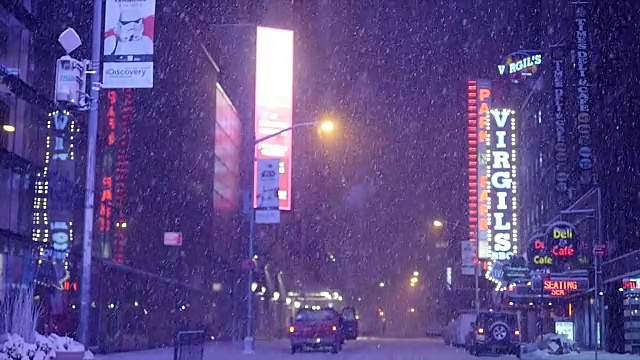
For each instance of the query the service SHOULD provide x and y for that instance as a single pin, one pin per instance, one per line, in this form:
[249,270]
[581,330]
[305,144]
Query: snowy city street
[362,349]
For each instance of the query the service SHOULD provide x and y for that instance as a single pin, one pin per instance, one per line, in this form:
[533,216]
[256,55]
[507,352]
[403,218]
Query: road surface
[362,349]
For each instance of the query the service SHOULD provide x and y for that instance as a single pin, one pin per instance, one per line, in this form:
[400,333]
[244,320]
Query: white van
[456,331]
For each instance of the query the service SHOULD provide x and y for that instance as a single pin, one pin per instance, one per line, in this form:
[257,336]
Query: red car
[316,329]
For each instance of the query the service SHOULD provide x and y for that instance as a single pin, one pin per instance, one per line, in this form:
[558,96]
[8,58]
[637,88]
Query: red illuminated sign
[105,208]
[631,284]
[121,175]
[115,167]
[274,104]
[478,106]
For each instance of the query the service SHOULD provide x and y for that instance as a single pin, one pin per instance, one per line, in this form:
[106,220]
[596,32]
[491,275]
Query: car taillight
[292,329]
[480,331]
[334,328]
[517,332]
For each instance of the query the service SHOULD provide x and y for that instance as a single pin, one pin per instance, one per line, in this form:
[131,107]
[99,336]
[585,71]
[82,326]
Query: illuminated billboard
[114,173]
[227,153]
[478,106]
[53,201]
[501,170]
[274,104]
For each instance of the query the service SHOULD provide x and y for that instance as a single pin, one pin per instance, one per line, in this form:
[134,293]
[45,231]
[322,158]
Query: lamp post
[324,126]
[456,225]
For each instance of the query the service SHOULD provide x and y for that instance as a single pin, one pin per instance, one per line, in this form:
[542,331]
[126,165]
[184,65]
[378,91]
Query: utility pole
[92,135]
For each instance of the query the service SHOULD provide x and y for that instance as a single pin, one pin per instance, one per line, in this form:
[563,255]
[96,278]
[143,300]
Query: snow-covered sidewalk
[584,355]
[211,351]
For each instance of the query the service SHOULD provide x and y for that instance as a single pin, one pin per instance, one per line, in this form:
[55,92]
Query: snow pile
[65,343]
[552,344]
[14,347]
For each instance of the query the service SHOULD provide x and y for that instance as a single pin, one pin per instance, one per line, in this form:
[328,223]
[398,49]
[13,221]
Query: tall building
[579,165]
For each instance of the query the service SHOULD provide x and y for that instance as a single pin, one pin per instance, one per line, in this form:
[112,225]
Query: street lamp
[325,125]
[8,128]
[456,225]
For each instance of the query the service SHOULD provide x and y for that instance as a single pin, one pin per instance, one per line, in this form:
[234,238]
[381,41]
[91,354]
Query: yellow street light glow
[412,310]
[412,284]
[327,126]
[382,284]
[437,223]
[414,280]
[8,128]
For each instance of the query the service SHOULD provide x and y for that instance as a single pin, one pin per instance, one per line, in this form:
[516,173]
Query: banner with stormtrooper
[128,44]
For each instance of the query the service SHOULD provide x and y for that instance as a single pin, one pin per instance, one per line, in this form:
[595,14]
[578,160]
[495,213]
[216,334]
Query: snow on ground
[362,349]
[585,355]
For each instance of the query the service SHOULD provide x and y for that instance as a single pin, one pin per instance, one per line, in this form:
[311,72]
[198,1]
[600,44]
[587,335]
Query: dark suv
[496,332]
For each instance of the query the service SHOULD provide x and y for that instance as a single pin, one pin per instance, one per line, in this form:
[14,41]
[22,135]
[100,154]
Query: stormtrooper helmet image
[130,26]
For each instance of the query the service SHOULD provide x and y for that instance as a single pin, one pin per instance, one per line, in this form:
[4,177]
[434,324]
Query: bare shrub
[20,314]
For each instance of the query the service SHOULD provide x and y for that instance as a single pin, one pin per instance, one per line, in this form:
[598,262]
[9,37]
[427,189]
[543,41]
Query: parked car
[316,329]
[456,331]
[349,323]
[495,332]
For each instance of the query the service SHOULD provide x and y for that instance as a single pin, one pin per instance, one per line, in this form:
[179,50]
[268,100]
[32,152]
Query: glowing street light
[382,284]
[327,126]
[8,128]
[437,223]
[414,280]
[415,273]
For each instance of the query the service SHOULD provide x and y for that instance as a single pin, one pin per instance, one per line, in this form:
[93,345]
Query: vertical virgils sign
[501,169]
[53,201]
[274,104]
[478,106]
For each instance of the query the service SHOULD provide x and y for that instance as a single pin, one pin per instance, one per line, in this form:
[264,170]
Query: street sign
[561,283]
[268,184]
[173,239]
[515,272]
[599,250]
[468,254]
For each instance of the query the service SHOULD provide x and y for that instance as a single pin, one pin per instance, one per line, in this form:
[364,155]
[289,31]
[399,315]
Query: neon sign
[583,92]
[121,175]
[559,115]
[520,65]
[53,201]
[501,169]
[478,105]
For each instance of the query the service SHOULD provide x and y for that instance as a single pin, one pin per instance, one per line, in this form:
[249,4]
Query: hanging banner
[128,44]
[267,186]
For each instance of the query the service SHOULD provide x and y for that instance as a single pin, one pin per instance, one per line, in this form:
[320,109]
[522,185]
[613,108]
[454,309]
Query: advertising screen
[274,103]
[227,152]
[478,106]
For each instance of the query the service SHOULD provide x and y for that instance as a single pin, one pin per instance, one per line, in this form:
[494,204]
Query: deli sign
[556,249]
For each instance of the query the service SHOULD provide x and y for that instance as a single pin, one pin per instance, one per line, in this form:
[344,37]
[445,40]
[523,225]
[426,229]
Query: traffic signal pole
[92,136]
